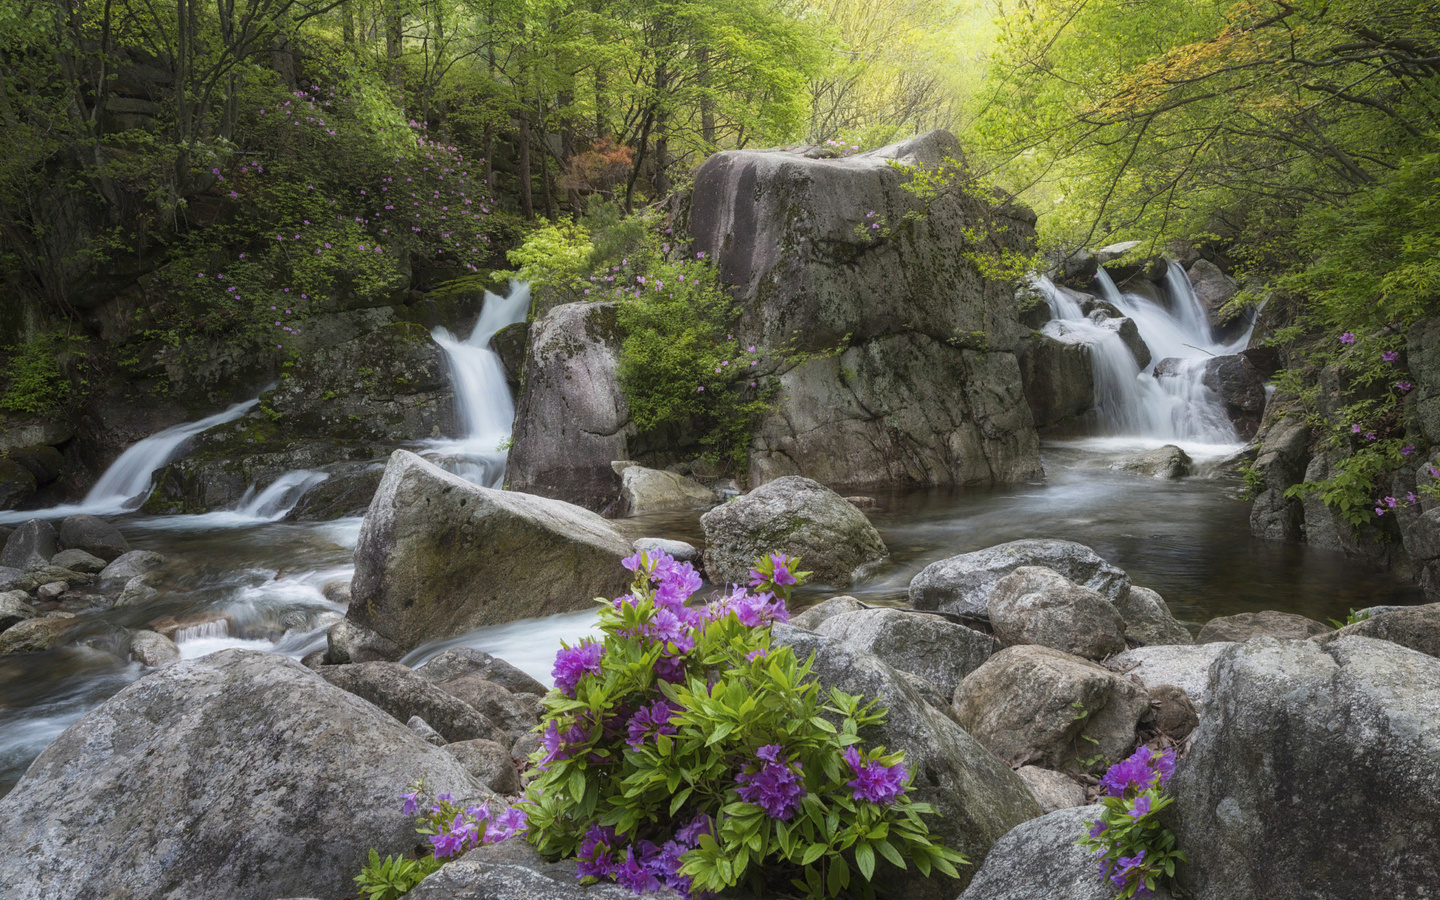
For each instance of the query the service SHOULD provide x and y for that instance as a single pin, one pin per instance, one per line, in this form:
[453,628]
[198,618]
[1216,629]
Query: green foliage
[34,381]
[392,877]
[730,693]
[1355,615]
[1127,835]
[554,255]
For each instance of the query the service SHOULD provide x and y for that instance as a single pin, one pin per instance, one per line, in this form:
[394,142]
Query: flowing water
[246,578]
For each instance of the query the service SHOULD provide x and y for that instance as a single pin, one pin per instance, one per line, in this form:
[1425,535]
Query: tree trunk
[707,103]
[527,201]
[393,38]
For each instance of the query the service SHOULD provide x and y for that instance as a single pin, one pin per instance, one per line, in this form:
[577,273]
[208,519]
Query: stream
[246,578]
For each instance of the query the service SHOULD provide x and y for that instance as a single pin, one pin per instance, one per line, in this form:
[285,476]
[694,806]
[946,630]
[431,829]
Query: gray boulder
[15,608]
[151,649]
[1057,375]
[1035,705]
[512,870]
[1036,605]
[13,579]
[1213,288]
[679,550]
[466,662]
[512,715]
[220,778]
[402,693]
[128,565]
[348,642]
[1267,623]
[939,651]
[438,556]
[1416,627]
[93,535]
[1168,463]
[1052,790]
[34,635]
[31,546]
[1148,619]
[78,561]
[926,389]
[137,592]
[17,484]
[1282,458]
[1313,774]
[571,418]
[489,763]
[976,796]
[1129,334]
[1040,860]
[645,491]
[797,516]
[962,584]
[811,618]
[1185,667]
[1241,387]
[423,730]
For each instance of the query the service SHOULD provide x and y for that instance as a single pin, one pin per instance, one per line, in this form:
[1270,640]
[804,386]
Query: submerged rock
[1313,774]
[1168,462]
[976,796]
[438,556]
[127,566]
[796,516]
[1036,605]
[1040,860]
[78,561]
[962,584]
[1035,705]
[1268,623]
[939,651]
[151,649]
[238,776]
[34,635]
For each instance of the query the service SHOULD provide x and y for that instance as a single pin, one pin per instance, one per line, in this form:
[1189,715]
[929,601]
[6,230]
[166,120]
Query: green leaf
[865,860]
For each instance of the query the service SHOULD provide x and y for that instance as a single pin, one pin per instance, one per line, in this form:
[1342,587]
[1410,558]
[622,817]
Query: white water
[1130,401]
[127,484]
[270,505]
[485,411]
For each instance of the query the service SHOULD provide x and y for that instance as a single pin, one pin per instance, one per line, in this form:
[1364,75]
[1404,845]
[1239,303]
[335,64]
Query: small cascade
[211,630]
[276,501]
[485,411]
[1129,401]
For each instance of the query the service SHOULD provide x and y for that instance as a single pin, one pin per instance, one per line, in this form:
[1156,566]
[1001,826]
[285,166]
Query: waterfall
[485,411]
[1129,401]
[276,501]
[126,485]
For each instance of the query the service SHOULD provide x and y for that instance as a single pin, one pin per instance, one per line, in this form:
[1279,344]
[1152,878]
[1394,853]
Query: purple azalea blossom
[593,859]
[1134,772]
[1097,828]
[1141,807]
[635,874]
[775,787]
[1404,386]
[1390,355]
[756,654]
[650,720]
[874,782]
[1347,338]
[572,663]
[412,803]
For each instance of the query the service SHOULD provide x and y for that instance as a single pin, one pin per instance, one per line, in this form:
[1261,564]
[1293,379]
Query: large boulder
[1040,860]
[962,584]
[797,516]
[31,546]
[645,490]
[466,662]
[1058,378]
[1035,705]
[93,535]
[1148,619]
[926,387]
[128,565]
[571,419]
[350,642]
[1241,387]
[811,618]
[238,776]
[1166,463]
[402,693]
[1280,463]
[1036,605]
[488,763]
[1053,790]
[1416,627]
[1213,288]
[438,556]
[976,796]
[939,651]
[34,635]
[512,870]
[1268,623]
[1188,668]
[1313,774]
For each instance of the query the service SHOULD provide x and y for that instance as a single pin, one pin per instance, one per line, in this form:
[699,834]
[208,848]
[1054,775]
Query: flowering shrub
[1132,849]
[685,750]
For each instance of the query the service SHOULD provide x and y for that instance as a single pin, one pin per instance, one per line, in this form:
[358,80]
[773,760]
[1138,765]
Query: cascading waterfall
[125,486]
[1132,402]
[484,408]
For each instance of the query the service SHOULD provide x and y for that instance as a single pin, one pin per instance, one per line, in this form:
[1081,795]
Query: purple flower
[1347,338]
[1355,429]
[635,875]
[670,669]
[775,787]
[1404,386]
[756,654]
[593,859]
[412,803]
[1407,449]
[1141,806]
[573,663]
[1369,435]
[874,782]
[1390,355]
[1164,764]
[560,745]
[1133,773]
[509,823]
[699,825]
[1097,828]
[650,720]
